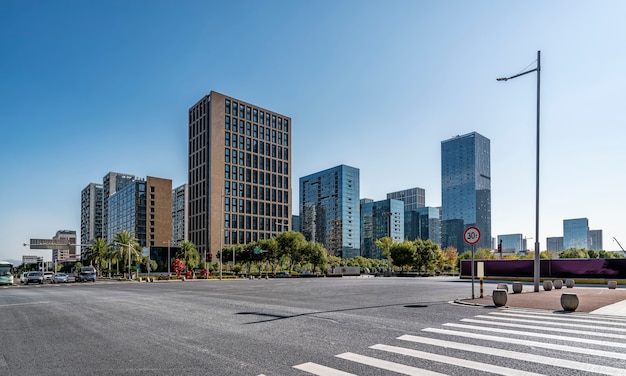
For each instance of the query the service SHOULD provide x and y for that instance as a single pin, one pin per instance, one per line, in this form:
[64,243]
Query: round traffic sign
[471,235]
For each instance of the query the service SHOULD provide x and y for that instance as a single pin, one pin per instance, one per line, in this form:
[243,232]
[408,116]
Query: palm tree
[99,252]
[129,246]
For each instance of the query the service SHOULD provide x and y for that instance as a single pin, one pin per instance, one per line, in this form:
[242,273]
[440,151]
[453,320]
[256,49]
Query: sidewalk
[596,300]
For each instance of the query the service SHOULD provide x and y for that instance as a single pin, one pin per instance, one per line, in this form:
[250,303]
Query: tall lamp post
[536,263]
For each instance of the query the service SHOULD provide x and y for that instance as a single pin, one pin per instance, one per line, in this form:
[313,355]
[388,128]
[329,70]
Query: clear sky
[88,87]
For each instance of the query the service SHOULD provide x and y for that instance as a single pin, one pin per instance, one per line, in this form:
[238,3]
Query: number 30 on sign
[471,235]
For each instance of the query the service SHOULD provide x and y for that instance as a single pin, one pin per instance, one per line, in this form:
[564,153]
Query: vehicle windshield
[34,273]
[5,270]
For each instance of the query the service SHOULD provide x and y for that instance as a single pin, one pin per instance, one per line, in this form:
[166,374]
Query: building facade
[576,233]
[465,190]
[380,219]
[595,240]
[554,244]
[423,223]
[112,183]
[60,256]
[239,173]
[180,205]
[512,244]
[330,210]
[91,206]
[413,198]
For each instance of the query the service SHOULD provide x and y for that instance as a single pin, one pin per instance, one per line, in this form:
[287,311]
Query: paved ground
[598,300]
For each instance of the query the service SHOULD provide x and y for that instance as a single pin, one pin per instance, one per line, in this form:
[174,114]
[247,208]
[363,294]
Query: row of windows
[255,131]
[254,161]
[255,177]
[261,117]
[254,192]
[253,223]
[252,144]
[245,237]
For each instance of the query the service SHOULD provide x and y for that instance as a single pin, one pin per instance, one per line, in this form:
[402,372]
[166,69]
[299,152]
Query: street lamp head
[502,79]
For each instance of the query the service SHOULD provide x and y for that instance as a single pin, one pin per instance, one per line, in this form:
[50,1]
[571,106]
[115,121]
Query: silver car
[60,278]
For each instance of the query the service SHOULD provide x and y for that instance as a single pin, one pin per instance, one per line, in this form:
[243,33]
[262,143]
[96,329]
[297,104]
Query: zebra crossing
[511,342]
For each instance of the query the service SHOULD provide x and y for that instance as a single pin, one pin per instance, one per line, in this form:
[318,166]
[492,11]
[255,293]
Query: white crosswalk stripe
[477,346]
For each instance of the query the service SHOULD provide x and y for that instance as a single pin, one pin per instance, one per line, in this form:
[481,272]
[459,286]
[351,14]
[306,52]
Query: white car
[47,276]
[23,277]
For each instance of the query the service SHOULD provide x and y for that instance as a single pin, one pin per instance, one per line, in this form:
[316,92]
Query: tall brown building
[239,173]
[158,211]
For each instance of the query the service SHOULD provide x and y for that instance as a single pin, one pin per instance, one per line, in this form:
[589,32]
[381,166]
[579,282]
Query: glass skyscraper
[576,233]
[465,190]
[330,211]
[423,223]
[380,219]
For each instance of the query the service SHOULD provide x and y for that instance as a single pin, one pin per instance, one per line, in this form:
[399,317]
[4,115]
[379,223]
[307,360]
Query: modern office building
[330,210]
[60,256]
[91,206]
[180,205]
[576,233]
[144,208]
[465,190]
[595,240]
[380,219]
[295,223]
[413,198]
[423,223]
[554,244]
[512,244]
[239,173]
[112,183]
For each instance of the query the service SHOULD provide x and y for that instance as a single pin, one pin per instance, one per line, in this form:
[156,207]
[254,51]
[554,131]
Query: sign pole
[473,271]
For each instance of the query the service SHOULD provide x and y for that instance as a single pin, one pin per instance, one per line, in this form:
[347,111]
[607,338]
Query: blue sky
[98,86]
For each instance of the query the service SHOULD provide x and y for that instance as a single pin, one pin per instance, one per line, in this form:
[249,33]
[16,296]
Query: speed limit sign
[471,235]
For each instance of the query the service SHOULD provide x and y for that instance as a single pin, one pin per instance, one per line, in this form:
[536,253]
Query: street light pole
[536,268]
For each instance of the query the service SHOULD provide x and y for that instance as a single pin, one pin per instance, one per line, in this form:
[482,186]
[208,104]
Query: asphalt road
[242,327]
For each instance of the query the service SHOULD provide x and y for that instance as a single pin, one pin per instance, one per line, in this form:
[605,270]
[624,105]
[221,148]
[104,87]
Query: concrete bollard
[569,283]
[569,302]
[547,285]
[558,284]
[499,297]
[612,285]
[517,287]
[503,286]
[184,278]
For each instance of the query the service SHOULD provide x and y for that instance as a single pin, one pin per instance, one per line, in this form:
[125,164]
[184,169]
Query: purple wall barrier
[560,268]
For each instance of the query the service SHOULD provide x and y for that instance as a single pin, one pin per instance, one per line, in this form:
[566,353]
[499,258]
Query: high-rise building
[144,208]
[595,240]
[91,203]
[512,243]
[380,219]
[413,198]
[180,204]
[329,210]
[423,223]
[576,233]
[554,244]
[112,183]
[295,223]
[65,255]
[465,190]
[239,173]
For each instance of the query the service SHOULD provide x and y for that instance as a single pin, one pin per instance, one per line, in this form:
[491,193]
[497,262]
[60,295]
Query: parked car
[60,278]
[47,276]
[87,273]
[34,277]
[23,277]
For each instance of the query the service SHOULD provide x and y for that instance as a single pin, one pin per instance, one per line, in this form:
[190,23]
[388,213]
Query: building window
[227,123]
[248,113]
[227,106]
[235,106]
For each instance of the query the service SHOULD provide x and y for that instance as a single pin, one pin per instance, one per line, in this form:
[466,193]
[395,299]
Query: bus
[6,273]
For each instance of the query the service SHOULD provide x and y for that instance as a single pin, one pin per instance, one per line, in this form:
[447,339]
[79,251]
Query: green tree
[574,253]
[100,253]
[129,247]
[189,254]
[426,255]
[316,255]
[385,243]
[290,245]
[403,254]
